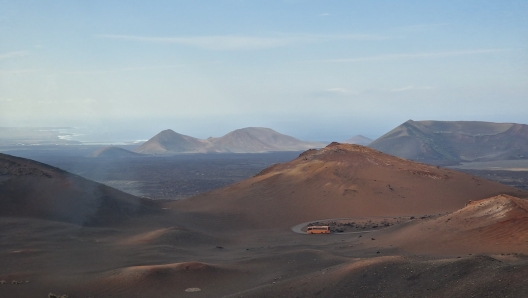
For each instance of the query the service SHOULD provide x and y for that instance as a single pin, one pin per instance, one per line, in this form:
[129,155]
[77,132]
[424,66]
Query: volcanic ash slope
[495,225]
[343,180]
[34,190]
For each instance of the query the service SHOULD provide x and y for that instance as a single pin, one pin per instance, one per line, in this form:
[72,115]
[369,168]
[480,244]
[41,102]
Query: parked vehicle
[318,230]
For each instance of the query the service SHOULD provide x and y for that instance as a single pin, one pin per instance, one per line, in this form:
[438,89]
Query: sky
[316,70]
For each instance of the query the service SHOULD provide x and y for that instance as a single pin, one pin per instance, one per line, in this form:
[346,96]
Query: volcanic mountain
[115,152]
[450,142]
[245,140]
[35,190]
[170,142]
[359,140]
[343,180]
[258,139]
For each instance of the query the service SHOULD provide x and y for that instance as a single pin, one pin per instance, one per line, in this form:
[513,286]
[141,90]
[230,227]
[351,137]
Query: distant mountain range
[448,142]
[359,140]
[245,140]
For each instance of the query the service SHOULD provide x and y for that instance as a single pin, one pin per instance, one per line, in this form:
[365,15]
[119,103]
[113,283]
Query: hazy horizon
[322,71]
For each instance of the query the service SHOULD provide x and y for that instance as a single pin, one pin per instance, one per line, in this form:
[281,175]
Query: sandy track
[298,228]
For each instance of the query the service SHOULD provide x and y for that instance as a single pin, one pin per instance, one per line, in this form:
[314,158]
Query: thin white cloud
[68,101]
[325,14]
[411,88]
[339,90]
[237,42]
[390,57]
[421,27]
[18,71]
[15,54]
[210,42]
[336,92]
[125,69]
[332,37]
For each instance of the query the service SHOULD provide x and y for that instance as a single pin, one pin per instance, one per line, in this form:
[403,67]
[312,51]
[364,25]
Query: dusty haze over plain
[315,70]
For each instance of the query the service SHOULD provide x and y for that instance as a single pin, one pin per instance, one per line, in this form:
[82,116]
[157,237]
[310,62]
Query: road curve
[297,228]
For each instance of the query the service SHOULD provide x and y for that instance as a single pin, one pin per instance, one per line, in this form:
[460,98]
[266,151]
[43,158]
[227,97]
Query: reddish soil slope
[343,181]
[236,241]
[494,225]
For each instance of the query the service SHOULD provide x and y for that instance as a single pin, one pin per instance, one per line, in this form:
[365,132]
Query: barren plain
[467,235]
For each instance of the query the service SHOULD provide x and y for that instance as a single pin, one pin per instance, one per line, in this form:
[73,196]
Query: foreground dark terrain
[449,234]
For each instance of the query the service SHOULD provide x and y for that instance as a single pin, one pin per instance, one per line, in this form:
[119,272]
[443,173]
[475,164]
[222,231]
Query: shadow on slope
[32,189]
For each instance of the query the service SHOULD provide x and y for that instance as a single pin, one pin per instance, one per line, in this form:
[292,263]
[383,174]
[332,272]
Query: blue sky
[317,70]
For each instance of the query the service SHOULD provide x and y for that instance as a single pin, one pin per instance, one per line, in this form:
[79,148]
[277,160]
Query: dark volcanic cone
[115,152]
[33,189]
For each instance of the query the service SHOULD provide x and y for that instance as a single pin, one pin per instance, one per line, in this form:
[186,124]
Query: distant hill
[115,152]
[359,140]
[259,139]
[245,140]
[343,180]
[448,142]
[36,190]
[170,142]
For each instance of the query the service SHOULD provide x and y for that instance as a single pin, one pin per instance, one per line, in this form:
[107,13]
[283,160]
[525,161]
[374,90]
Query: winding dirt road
[298,228]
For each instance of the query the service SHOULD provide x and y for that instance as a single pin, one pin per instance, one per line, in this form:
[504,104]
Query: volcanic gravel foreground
[439,233]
